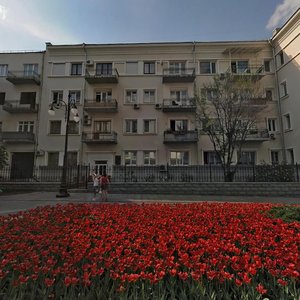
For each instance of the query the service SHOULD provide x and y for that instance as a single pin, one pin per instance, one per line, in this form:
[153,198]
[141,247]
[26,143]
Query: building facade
[136,101]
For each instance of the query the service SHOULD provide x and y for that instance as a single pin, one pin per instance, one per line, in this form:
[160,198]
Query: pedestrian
[95,184]
[104,181]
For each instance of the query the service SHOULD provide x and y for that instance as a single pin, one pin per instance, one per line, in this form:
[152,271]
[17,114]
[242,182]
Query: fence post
[210,177]
[125,173]
[297,172]
[77,177]
[253,170]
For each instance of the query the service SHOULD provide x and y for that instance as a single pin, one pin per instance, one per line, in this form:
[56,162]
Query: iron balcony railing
[183,136]
[184,105]
[258,135]
[104,106]
[17,137]
[16,107]
[106,77]
[23,77]
[179,75]
[99,137]
[256,71]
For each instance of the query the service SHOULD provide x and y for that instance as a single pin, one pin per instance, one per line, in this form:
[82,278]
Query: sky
[29,24]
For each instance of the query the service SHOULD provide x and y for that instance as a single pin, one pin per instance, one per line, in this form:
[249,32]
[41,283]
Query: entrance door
[101,166]
[22,165]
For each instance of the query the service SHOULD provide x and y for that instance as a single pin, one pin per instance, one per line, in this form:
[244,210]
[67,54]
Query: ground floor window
[211,158]
[130,158]
[179,158]
[53,159]
[274,157]
[246,157]
[149,158]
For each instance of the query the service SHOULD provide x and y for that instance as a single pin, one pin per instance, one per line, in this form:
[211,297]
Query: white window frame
[150,67]
[148,124]
[272,125]
[239,68]
[131,126]
[130,157]
[248,157]
[102,126]
[55,121]
[103,96]
[60,95]
[149,158]
[283,89]
[274,155]
[75,95]
[3,70]
[177,67]
[149,96]
[212,67]
[78,70]
[287,122]
[31,69]
[26,126]
[131,96]
[180,159]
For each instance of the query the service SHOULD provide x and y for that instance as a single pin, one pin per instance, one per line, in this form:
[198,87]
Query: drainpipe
[279,104]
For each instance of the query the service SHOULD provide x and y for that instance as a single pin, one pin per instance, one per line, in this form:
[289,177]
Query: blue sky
[28,24]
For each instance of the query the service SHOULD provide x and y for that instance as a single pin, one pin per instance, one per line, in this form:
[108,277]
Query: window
[53,159]
[131,96]
[28,98]
[211,157]
[2,98]
[208,94]
[57,96]
[104,69]
[102,126]
[25,126]
[75,96]
[179,158]
[272,125]
[288,124]
[291,158]
[149,126]
[130,157]
[76,69]
[281,58]
[30,69]
[131,126]
[269,94]
[149,158]
[177,67]
[246,157]
[58,69]
[55,127]
[103,96]
[179,125]
[72,159]
[240,66]
[149,67]
[267,65]
[207,67]
[131,67]
[283,89]
[73,127]
[179,95]
[274,157]
[149,96]
[3,70]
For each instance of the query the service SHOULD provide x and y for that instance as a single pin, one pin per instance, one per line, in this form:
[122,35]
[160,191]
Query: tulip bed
[149,251]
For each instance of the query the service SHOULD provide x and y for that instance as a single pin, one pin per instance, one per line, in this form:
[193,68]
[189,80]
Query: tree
[228,109]
[3,157]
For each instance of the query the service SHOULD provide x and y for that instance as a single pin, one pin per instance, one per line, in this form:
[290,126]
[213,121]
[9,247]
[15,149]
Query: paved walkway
[12,203]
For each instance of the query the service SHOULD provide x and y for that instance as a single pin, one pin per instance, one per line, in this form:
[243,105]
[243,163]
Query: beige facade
[136,101]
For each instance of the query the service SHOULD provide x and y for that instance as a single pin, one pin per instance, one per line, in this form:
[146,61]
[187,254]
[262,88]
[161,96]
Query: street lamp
[69,106]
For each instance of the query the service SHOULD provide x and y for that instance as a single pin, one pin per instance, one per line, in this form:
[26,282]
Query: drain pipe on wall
[279,104]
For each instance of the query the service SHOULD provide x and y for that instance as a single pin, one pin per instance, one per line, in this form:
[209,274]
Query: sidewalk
[12,203]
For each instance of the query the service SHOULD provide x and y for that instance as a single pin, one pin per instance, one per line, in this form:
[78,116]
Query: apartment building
[136,101]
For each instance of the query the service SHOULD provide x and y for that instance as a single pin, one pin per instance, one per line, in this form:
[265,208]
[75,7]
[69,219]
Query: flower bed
[152,251]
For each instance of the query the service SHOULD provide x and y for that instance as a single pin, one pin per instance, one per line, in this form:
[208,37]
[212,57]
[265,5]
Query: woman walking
[104,181]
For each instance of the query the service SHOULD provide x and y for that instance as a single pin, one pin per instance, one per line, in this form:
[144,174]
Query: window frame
[131,98]
[131,126]
[212,67]
[148,67]
[132,157]
[77,94]
[78,69]
[147,159]
[26,126]
[153,121]
[104,68]
[3,70]
[179,161]
[53,130]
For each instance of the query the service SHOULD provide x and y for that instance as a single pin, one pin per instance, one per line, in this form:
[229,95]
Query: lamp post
[69,106]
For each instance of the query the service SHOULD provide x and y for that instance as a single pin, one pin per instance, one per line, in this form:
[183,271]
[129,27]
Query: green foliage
[3,157]
[275,173]
[287,213]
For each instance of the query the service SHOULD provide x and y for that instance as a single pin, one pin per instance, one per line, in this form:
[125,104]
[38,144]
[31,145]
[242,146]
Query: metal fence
[79,176]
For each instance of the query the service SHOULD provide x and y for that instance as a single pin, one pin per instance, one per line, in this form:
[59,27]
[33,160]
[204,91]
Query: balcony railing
[181,105]
[259,135]
[99,137]
[255,71]
[23,77]
[184,136]
[179,75]
[17,137]
[103,106]
[16,107]
[109,77]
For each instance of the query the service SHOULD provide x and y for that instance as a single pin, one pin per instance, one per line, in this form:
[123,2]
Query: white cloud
[282,12]
[3,12]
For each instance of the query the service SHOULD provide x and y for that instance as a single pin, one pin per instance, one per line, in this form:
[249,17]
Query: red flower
[260,288]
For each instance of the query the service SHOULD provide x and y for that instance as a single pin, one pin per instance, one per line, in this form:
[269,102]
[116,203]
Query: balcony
[17,137]
[99,138]
[23,77]
[15,107]
[109,77]
[178,75]
[185,136]
[103,106]
[254,72]
[257,135]
[181,105]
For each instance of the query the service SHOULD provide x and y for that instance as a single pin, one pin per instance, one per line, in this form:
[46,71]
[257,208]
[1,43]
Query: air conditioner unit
[89,62]
[157,106]
[136,106]
[272,136]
